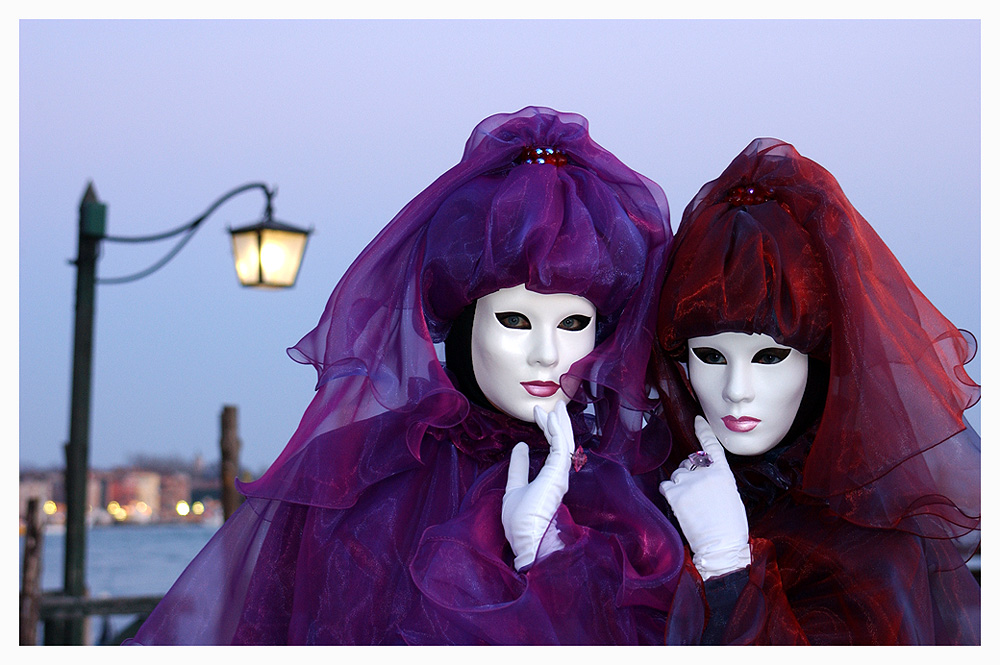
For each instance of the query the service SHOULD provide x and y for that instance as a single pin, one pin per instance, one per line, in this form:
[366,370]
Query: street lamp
[267,274]
[268,253]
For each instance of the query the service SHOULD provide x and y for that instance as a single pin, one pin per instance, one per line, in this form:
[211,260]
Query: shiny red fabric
[864,517]
[379,523]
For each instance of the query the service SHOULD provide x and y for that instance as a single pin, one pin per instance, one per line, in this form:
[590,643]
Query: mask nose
[543,350]
[739,384]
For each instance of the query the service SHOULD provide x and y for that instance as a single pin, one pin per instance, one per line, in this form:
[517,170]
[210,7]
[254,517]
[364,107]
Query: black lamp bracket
[187,230]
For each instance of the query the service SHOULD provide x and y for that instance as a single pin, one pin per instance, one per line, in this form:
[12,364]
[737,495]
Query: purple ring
[700,458]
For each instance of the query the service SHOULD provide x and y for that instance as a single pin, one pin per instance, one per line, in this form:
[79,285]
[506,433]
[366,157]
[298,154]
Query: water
[124,561]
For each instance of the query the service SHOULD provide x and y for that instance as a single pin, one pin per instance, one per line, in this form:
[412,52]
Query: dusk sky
[352,119]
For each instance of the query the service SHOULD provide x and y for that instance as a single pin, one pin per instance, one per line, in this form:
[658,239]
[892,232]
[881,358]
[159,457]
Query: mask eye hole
[770,356]
[575,323]
[709,356]
[513,320]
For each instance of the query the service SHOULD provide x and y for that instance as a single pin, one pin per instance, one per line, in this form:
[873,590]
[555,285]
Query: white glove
[528,508]
[708,507]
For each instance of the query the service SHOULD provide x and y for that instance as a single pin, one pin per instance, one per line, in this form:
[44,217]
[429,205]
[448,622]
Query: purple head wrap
[581,222]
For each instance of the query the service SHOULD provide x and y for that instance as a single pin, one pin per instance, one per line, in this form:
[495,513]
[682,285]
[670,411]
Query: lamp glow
[268,254]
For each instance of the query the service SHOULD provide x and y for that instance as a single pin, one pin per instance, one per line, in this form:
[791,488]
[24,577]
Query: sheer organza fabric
[860,521]
[379,523]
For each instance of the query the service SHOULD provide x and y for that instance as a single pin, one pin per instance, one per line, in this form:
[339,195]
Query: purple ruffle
[352,536]
[411,563]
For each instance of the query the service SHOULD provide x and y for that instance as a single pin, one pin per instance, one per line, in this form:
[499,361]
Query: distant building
[134,495]
[33,488]
[174,488]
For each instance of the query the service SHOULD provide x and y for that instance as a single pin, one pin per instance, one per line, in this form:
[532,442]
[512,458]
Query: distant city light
[50,507]
[198,508]
[116,511]
[183,508]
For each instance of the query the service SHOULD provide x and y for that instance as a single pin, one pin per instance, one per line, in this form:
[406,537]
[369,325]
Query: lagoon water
[124,561]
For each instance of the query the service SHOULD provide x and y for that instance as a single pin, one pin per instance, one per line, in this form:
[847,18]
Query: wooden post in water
[31,576]
[230,445]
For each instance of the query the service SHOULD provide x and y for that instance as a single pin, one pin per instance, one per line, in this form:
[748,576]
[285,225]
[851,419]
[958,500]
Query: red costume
[863,517]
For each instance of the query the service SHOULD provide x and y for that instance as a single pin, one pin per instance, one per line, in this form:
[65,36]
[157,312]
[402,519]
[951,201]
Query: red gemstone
[543,156]
[749,195]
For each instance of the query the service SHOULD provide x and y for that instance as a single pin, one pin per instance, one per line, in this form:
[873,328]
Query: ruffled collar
[488,436]
[761,479]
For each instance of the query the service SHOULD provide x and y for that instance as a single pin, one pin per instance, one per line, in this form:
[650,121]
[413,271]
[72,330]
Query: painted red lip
[541,388]
[742,424]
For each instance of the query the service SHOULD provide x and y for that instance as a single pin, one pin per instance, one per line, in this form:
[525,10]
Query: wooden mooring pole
[31,576]
[230,445]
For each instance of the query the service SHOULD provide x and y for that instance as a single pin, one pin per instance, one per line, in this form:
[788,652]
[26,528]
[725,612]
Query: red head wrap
[774,246]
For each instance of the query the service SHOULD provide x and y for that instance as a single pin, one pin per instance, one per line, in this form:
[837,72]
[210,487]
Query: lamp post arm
[188,229]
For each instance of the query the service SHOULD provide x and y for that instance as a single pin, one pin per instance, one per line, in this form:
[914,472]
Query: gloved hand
[528,508]
[709,510]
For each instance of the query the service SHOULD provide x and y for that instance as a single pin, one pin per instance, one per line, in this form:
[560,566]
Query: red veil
[774,246]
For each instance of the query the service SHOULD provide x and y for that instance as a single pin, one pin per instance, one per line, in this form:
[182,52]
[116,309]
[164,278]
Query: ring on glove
[700,458]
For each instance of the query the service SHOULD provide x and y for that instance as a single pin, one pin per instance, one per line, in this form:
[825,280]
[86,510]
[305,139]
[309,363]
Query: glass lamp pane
[280,256]
[247,258]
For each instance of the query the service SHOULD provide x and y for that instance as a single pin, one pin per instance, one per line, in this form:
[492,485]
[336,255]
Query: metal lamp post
[277,254]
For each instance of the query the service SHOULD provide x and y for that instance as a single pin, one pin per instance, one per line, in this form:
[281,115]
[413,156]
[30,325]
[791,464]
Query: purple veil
[592,227]
[389,447]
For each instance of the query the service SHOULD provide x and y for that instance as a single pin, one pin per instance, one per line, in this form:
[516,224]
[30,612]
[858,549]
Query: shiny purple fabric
[379,523]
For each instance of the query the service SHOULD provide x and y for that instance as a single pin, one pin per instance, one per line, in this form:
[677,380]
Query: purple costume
[380,523]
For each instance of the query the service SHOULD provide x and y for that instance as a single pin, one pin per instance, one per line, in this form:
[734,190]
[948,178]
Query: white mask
[749,387]
[522,344]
